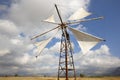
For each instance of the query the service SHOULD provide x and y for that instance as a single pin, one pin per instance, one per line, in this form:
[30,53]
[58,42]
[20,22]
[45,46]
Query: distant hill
[100,72]
[115,72]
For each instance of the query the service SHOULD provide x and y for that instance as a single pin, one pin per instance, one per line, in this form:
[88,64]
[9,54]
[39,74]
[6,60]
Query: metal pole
[58,14]
[64,34]
[66,54]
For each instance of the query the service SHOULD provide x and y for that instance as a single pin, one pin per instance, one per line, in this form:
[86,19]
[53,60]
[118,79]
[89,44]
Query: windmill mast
[66,57]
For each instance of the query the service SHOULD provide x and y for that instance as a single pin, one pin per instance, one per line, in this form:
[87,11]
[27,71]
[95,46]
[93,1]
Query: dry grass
[50,78]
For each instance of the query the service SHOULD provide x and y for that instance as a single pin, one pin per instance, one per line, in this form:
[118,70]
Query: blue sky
[107,28]
[21,19]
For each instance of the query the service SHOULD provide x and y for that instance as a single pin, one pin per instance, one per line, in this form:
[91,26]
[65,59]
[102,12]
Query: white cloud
[27,14]
[104,49]
[8,28]
[4,52]
[100,58]
[24,59]
[16,42]
[81,27]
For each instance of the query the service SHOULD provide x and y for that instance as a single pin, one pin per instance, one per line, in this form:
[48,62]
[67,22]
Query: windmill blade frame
[84,20]
[44,33]
[42,44]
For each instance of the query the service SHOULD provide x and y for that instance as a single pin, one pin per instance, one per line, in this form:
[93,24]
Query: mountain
[115,72]
[99,71]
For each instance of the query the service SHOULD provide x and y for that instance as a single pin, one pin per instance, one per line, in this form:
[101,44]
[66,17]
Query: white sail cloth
[79,14]
[42,44]
[50,19]
[85,40]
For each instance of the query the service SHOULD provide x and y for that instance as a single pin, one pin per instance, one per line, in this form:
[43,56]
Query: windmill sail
[50,19]
[85,40]
[41,45]
[79,14]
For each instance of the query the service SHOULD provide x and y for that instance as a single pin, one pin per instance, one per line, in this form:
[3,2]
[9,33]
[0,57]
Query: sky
[21,19]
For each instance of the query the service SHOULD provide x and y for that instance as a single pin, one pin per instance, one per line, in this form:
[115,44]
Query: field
[50,78]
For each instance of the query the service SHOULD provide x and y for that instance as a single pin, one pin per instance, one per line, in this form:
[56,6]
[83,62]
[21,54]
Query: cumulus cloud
[8,28]
[28,14]
[4,52]
[12,47]
[100,58]
[98,61]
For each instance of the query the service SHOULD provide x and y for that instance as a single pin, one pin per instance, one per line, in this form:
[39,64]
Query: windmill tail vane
[86,41]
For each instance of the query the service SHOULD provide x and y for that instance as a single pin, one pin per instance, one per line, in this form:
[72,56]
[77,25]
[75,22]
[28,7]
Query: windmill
[86,41]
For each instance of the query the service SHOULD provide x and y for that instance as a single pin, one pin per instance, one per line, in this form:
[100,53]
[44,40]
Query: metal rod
[64,33]
[66,52]
[51,22]
[72,60]
[85,20]
[44,33]
[58,14]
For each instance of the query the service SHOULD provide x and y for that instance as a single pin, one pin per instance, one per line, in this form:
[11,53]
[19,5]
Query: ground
[51,78]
